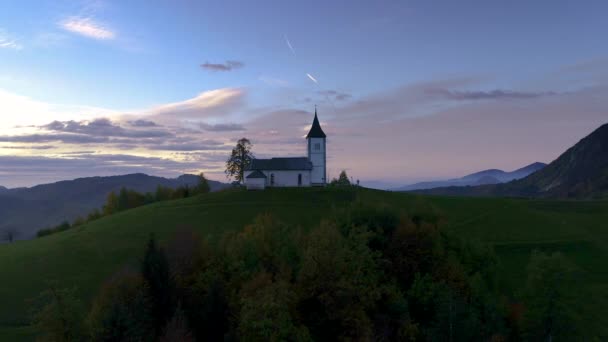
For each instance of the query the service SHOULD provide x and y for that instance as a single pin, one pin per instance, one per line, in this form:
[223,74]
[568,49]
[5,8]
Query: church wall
[255,183]
[289,178]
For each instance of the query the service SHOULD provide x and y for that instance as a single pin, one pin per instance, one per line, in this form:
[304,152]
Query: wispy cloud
[225,127]
[277,82]
[486,95]
[289,45]
[336,95]
[227,66]
[87,27]
[212,103]
[312,78]
[7,42]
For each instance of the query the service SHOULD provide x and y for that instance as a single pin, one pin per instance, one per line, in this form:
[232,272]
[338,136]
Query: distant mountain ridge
[491,176]
[27,210]
[579,173]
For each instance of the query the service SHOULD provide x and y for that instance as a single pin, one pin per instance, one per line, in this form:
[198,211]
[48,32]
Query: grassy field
[85,256]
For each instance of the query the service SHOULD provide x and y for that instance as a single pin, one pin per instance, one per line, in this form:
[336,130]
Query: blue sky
[455,86]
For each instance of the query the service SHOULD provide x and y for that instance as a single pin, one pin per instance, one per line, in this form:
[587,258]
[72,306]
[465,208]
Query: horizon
[406,92]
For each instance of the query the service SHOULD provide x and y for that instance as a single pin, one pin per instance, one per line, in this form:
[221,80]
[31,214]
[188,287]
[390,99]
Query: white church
[292,172]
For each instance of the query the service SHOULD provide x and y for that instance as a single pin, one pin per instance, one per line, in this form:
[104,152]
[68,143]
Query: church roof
[315,130]
[298,163]
[256,174]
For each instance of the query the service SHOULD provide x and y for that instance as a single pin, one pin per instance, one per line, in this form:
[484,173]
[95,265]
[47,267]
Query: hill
[579,173]
[491,176]
[514,227]
[27,210]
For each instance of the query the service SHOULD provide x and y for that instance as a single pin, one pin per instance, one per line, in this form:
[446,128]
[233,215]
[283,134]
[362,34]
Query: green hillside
[86,255]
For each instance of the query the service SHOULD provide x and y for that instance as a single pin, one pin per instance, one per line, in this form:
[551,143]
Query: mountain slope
[491,176]
[27,210]
[579,173]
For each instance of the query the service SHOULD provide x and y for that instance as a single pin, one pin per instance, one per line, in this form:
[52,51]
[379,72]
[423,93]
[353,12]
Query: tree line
[369,273]
[128,199]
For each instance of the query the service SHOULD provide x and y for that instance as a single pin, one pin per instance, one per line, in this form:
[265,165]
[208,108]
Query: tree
[548,300]
[177,329]
[240,158]
[8,235]
[93,215]
[203,185]
[121,310]
[60,318]
[111,205]
[163,193]
[159,284]
[342,180]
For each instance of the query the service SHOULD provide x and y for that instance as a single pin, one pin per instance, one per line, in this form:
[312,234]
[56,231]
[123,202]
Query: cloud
[44,138]
[142,123]
[19,110]
[289,45]
[194,146]
[103,127]
[28,147]
[497,94]
[227,127]
[6,42]
[214,103]
[336,95]
[273,81]
[227,66]
[87,27]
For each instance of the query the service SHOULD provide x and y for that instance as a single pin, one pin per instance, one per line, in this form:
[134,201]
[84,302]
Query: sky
[406,90]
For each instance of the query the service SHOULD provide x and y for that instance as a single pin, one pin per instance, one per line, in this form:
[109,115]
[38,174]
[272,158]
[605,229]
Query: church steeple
[317,153]
[316,131]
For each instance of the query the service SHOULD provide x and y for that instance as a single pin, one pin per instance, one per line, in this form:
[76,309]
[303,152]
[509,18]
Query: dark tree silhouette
[240,158]
[203,185]
[8,235]
[342,180]
[159,285]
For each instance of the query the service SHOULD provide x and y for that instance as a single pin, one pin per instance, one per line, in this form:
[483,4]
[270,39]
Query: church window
[299,179]
[272,179]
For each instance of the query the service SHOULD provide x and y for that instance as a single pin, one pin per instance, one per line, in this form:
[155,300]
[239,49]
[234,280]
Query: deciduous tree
[240,158]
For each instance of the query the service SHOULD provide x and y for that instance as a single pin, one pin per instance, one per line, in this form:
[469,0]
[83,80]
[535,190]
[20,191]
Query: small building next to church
[292,172]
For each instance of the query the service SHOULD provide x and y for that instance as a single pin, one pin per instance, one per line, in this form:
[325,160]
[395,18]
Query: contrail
[289,45]
[312,78]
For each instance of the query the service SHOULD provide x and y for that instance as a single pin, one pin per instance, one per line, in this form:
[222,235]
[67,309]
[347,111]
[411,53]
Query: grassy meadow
[83,257]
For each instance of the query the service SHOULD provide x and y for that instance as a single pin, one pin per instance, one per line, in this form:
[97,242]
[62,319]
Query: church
[292,172]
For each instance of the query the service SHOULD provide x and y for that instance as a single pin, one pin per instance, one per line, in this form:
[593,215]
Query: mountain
[579,173]
[27,210]
[492,176]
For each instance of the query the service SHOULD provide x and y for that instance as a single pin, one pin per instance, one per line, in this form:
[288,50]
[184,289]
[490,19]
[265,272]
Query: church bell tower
[317,153]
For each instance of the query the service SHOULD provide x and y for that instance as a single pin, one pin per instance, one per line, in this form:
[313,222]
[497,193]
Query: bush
[48,231]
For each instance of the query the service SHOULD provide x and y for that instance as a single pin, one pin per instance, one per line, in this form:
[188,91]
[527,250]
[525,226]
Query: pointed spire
[315,130]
